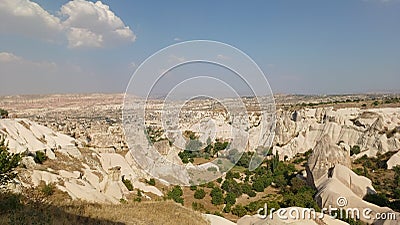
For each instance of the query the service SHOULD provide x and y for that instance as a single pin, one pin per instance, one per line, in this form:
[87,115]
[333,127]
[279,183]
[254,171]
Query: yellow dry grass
[77,212]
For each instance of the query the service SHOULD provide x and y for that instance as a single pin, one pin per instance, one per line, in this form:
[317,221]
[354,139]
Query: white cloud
[93,25]
[177,39]
[28,18]
[6,57]
[80,23]
[81,37]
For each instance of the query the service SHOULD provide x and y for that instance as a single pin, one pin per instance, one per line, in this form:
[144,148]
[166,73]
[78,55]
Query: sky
[303,47]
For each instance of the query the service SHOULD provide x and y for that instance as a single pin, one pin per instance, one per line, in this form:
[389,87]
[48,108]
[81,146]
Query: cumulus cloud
[80,23]
[28,18]
[6,57]
[81,37]
[93,25]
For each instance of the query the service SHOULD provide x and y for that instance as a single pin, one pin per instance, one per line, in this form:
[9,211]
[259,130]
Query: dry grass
[147,213]
[38,211]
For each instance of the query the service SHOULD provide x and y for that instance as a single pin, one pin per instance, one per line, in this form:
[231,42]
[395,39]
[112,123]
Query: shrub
[396,193]
[3,113]
[9,201]
[258,186]
[218,146]
[8,162]
[40,157]
[230,175]
[297,184]
[193,188]
[227,208]
[151,182]
[301,196]
[210,185]
[217,198]
[377,199]
[128,184]
[246,188]
[199,194]
[239,210]
[231,186]
[176,194]
[244,161]
[230,199]
[354,150]
[251,194]
[48,189]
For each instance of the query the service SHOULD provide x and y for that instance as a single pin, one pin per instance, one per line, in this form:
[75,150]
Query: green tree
[218,146]
[199,194]
[377,199]
[3,113]
[258,186]
[217,197]
[239,211]
[40,157]
[275,163]
[230,198]
[8,163]
[244,161]
[176,194]
[193,187]
[231,186]
[151,182]
[354,150]
[128,184]
[227,208]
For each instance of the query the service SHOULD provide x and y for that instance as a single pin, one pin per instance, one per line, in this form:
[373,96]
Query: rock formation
[328,169]
[83,173]
[394,161]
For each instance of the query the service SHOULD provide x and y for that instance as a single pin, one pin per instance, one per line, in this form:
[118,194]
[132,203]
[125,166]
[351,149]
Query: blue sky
[303,47]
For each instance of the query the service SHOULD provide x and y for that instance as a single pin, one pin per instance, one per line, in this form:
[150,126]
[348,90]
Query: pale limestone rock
[352,126]
[216,220]
[28,162]
[162,147]
[324,157]
[23,135]
[394,161]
